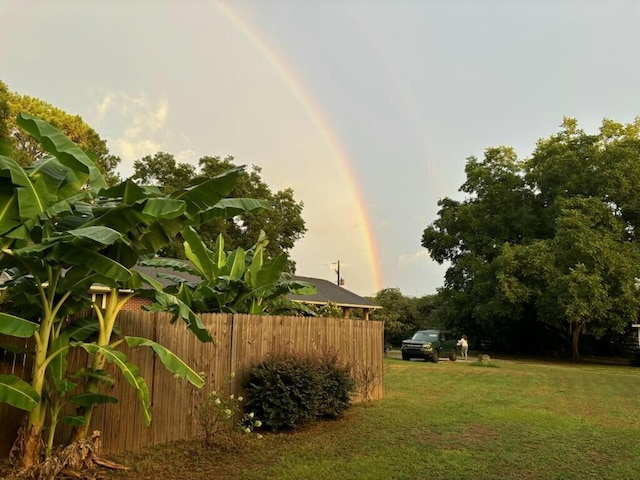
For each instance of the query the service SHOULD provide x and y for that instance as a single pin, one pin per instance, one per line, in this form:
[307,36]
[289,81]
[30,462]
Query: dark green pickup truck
[430,345]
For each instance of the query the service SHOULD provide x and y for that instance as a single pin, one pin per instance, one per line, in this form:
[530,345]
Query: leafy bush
[337,386]
[289,391]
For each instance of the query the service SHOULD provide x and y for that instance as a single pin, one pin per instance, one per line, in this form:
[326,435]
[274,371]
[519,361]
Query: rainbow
[321,124]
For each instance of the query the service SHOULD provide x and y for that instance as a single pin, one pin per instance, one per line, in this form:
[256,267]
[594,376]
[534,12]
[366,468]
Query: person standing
[464,346]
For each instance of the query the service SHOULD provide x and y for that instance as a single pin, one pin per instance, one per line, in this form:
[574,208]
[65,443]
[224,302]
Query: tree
[283,224]
[4,112]
[61,231]
[26,150]
[401,315]
[548,246]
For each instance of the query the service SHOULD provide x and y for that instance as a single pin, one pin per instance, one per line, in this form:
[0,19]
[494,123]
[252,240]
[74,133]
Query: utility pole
[340,281]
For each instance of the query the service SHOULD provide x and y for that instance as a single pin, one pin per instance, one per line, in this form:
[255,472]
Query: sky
[368,110]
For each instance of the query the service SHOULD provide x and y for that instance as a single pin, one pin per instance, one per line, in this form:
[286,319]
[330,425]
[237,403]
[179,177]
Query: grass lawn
[453,420]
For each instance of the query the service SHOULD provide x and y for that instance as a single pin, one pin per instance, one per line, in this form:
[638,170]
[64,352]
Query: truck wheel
[435,357]
[406,357]
[454,355]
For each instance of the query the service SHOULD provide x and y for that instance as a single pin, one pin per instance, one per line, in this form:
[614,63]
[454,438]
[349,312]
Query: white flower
[240,399]
[258,435]
[217,402]
[251,415]
[227,412]
[247,430]
[257,423]
[231,397]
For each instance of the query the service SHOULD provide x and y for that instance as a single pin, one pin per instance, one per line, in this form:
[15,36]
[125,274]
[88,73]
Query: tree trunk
[577,329]
[27,449]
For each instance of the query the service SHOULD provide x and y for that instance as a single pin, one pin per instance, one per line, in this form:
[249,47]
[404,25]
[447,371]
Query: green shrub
[289,391]
[337,386]
[284,391]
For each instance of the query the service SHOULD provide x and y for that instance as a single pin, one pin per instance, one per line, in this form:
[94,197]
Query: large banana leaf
[177,265]
[271,271]
[18,393]
[83,328]
[129,192]
[256,261]
[129,371]
[165,302]
[161,208]
[101,264]
[57,368]
[88,399]
[57,144]
[33,197]
[171,361]
[95,234]
[204,193]
[236,263]
[159,233]
[9,211]
[62,181]
[197,252]
[16,326]
[229,208]
[220,256]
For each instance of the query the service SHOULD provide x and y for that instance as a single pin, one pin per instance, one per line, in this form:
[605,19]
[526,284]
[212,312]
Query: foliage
[329,310]
[337,385]
[236,282]
[283,224]
[402,315]
[284,391]
[546,248]
[27,151]
[62,231]
[289,391]
[217,412]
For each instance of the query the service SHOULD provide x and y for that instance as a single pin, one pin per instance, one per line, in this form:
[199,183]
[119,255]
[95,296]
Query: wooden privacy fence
[241,341]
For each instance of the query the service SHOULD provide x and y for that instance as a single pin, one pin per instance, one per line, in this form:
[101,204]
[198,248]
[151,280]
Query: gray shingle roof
[327,291]
[330,292]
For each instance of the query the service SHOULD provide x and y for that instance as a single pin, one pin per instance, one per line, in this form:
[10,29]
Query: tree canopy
[544,249]
[27,151]
[402,315]
[282,225]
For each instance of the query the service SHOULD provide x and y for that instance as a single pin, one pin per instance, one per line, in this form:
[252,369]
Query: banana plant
[236,282]
[61,231]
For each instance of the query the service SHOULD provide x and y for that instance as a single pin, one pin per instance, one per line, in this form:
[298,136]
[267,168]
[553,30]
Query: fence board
[241,341]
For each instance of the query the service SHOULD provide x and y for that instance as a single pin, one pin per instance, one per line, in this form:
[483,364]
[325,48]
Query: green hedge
[289,391]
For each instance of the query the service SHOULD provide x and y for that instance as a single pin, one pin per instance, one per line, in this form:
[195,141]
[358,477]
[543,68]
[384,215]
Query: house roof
[157,274]
[330,292]
[327,291]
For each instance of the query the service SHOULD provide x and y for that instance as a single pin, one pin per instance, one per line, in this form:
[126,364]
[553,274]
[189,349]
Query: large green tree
[402,315]
[26,150]
[282,225]
[546,247]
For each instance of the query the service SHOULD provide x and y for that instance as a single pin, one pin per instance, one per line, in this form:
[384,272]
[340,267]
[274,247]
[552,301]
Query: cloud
[421,256]
[139,122]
